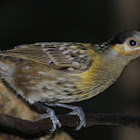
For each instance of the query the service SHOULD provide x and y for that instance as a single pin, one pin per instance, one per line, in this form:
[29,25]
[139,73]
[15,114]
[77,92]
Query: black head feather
[121,37]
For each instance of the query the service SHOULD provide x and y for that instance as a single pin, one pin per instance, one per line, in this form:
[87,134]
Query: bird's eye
[132,43]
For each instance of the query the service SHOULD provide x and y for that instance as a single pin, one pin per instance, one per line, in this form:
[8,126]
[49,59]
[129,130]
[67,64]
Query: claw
[50,113]
[42,116]
[53,118]
[79,112]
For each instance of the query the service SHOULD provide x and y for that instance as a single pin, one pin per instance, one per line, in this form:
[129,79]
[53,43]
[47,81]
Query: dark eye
[132,43]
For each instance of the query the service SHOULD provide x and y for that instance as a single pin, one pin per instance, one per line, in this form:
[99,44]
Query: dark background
[94,21]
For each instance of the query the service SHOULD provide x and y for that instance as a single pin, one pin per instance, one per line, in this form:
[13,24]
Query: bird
[57,74]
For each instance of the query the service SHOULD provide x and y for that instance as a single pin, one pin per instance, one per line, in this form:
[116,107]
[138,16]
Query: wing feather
[56,55]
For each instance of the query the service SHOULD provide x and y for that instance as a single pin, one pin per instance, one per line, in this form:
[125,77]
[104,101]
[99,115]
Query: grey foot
[50,113]
[76,111]
[79,112]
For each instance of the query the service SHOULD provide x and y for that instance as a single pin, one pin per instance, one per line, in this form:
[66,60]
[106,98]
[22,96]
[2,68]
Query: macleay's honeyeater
[54,74]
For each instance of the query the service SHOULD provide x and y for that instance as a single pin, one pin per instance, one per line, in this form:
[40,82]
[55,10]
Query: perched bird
[54,74]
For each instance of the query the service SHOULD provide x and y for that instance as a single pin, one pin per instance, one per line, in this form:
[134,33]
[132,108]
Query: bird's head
[127,43]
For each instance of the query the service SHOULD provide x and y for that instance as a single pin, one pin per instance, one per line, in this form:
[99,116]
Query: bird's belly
[65,92]
[62,89]
[54,86]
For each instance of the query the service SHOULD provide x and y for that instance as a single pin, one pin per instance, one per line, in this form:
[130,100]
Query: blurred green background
[95,21]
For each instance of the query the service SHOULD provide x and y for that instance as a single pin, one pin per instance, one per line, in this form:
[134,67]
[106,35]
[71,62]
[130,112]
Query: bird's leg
[75,111]
[50,113]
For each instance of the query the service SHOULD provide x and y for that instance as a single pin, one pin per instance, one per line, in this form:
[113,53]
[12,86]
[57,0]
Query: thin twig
[30,127]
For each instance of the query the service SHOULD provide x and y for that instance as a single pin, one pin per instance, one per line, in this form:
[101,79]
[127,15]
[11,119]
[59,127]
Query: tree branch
[29,128]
